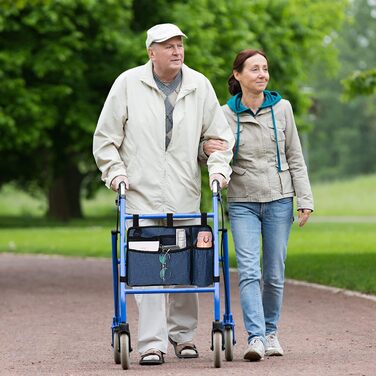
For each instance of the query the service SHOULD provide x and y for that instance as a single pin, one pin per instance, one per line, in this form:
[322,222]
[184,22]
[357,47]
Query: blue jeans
[261,293]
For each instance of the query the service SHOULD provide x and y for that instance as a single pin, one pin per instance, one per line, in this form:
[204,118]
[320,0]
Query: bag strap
[136,220]
[170,222]
[204,219]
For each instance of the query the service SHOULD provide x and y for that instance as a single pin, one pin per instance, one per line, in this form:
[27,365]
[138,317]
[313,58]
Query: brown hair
[238,65]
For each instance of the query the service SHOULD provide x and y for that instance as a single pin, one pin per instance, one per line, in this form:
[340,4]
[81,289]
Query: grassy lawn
[353,197]
[69,241]
[336,254]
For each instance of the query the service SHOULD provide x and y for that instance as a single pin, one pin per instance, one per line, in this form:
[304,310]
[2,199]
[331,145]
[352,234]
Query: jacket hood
[270,99]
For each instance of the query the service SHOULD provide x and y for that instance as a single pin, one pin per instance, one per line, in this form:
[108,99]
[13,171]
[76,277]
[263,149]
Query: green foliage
[59,58]
[57,62]
[290,32]
[360,83]
[147,13]
[344,134]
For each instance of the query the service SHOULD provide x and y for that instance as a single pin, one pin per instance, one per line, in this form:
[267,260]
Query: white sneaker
[273,348]
[255,350]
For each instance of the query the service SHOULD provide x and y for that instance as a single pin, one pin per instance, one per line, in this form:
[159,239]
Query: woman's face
[254,76]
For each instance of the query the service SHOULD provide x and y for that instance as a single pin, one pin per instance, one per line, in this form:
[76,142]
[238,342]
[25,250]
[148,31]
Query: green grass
[337,254]
[341,255]
[354,197]
[69,241]
[16,203]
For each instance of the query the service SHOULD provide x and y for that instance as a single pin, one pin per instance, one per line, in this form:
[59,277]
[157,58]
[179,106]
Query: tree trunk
[64,195]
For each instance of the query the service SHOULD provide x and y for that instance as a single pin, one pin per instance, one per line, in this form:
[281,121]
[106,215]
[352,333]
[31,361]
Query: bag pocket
[202,266]
[158,268]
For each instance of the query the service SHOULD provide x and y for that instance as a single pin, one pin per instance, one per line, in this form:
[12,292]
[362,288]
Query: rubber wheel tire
[124,351]
[116,348]
[229,345]
[217,348]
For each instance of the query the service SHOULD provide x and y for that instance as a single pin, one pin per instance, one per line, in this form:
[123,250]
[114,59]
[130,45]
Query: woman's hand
[213,145]
[303,215]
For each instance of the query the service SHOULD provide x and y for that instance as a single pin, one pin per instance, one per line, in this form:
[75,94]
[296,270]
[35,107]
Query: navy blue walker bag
[167,255]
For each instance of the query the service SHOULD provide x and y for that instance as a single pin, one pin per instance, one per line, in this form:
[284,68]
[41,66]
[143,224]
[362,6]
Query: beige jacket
[130,140]
[255,176]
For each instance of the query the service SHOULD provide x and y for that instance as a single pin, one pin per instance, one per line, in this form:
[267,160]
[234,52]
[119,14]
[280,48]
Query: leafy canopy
[58,59]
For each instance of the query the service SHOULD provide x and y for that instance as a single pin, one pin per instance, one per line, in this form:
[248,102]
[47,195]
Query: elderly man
[149,135]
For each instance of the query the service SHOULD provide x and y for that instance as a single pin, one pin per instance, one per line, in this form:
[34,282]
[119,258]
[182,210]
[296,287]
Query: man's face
[167,56]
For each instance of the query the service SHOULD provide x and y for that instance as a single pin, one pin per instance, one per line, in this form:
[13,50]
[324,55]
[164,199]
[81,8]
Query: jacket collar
[271,98]
[188,84]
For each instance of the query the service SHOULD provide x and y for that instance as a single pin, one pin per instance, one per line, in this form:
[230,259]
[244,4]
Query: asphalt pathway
[56,315]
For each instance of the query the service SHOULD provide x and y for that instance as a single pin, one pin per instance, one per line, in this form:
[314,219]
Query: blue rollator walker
[170,260]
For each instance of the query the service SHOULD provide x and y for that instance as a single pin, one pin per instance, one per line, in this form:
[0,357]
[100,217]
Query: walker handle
[215,187]
[122,189]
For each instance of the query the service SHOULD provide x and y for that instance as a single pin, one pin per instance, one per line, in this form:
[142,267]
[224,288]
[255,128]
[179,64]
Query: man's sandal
[151,357]
[180,349]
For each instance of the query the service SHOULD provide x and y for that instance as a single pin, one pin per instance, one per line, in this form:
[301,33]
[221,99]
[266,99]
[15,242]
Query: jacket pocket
[281,145]
[238,170]
[285,179]
[241,134]
[281,126]
[237,186]
[280,134]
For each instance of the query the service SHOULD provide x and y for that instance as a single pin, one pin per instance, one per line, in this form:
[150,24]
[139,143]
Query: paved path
[56,313]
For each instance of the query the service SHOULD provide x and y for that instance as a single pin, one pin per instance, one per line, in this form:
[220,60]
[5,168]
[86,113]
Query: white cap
[160,33]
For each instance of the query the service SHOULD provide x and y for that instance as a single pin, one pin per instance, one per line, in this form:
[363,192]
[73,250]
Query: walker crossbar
[170,290]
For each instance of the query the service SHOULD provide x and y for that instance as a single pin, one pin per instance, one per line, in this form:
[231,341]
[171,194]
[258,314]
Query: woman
[268,169]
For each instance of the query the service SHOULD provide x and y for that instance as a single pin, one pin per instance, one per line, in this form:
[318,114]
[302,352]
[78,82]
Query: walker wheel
[116,348]
[124,351]
[229,345]
[217,348]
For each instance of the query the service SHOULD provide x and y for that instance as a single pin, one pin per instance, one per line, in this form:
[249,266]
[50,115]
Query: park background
[58,59]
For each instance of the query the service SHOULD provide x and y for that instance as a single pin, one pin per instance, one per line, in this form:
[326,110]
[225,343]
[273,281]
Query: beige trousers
[165,315]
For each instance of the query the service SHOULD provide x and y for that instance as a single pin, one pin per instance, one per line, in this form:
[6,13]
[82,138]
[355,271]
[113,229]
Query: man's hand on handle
[221,180]
[117,180]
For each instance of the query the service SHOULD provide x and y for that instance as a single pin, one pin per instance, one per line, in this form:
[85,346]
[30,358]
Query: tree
[58,59]
[360,83]
[291,32]
[344,133]
[295,34]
